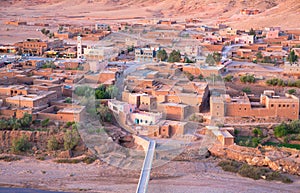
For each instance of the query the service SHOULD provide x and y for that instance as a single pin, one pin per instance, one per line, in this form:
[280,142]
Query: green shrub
[246,90]
[89,160]
[9,158]
[257,132]
[52,144]
[247,79]
[292,91]
[229,166]
[45,122]
[20,145]
[71,139]
[228,78]
[250,172]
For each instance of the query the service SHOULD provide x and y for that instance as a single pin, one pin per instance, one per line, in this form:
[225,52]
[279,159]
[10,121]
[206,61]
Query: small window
[279,105]
[283,105]
[146,121]
[245,109]
[218,106]
[272,105]
[287,106]
[293,105]
[141,120]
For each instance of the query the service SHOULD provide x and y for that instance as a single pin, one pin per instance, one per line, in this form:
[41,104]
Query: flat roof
[175,104]
[71,110]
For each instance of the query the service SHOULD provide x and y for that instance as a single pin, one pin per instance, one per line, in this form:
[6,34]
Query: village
[176,84]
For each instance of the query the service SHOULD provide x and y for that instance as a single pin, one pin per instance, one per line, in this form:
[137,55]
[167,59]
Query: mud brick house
[268,105]
[40,99]
[13,90]
[48,87]
[37,47]
[63,113]
[244,39]
[221,134]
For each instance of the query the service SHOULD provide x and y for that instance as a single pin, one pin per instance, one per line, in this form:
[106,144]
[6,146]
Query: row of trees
[280,82]
[175,56]
[71,139]
[14,123]
[47,32]
[213,59]
[292,58]
[247,79]
[102,92]
[285,129]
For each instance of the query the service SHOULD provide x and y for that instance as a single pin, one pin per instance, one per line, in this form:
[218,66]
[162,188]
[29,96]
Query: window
[272,105]
[287,106]
[283,105]
[279,105]
[141,120]
[245,109]
[218,106]
[293,105]
[146,121]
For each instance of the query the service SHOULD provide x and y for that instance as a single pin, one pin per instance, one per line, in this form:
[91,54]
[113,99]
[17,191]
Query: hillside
[273,12]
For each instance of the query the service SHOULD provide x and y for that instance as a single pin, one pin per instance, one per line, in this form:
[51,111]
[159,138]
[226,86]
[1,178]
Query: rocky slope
[278,159]
[273,12]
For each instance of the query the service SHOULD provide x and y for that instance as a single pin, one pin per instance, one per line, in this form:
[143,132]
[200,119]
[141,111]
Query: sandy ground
[173,177]
[82,13]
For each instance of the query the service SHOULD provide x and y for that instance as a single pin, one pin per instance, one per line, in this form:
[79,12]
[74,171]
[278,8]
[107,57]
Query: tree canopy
[162,55]
[175,56]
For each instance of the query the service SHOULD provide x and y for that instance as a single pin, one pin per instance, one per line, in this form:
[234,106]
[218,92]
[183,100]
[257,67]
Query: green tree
[210,60]
[246,90]
[247,78]
[292,58]
[281,130]
[14,123]
[60,28]
[68,100]
[101,94]
[26,120]
[112,91]
[45,122]
[292,91]
[52,144]
[259,55]
[20,144]
[71,138]
[3,124]
[228,78]
[175,56]
[162,55]
[187,60]
[257,132]
[105,113]
[217,57]
[252,32]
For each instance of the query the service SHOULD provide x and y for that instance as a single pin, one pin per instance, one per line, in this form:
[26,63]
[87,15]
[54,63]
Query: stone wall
[278,159]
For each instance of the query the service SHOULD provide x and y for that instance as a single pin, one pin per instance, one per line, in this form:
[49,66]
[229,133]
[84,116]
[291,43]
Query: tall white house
[79,47]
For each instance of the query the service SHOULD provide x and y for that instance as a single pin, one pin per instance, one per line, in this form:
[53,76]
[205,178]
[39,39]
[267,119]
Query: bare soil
[201,176]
